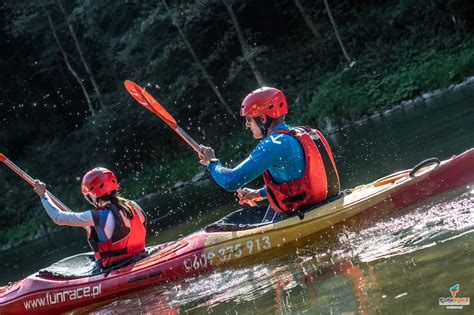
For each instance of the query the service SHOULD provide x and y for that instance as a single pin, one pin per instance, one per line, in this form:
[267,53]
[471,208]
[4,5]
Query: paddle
[31,181]
[150,103]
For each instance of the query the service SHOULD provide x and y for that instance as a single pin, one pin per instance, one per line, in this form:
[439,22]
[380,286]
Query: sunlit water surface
[395,265]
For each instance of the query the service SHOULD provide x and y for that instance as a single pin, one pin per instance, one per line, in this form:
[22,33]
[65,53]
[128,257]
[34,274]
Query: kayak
[61,288]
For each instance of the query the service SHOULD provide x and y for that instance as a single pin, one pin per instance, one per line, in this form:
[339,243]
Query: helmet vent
[101,186]
[92,188]
[113,181]
[281,105]
[270,107]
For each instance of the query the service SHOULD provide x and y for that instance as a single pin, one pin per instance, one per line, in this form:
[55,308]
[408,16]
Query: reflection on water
[418,228]
[390,266]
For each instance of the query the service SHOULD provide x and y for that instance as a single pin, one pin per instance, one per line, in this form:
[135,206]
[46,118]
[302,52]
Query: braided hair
[121,203]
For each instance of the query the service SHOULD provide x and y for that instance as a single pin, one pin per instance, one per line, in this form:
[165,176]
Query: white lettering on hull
[228,252]
[63,296]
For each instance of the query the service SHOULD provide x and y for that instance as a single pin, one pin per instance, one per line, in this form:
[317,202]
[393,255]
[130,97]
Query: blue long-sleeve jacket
[281,154]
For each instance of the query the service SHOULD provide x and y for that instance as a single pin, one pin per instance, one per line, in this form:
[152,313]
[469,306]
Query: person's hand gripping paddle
[150,103]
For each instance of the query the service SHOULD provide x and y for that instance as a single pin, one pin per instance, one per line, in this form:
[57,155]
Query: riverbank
[424,98]
[201,173]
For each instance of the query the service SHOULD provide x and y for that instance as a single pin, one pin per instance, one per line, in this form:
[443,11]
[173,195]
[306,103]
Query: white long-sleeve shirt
[66,218]
[85,219]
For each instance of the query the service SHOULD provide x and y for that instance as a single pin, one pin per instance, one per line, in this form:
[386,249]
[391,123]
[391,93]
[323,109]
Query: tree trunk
[198,62]
[307,20]
[66,60]
[243,44]
[334,26]
[81,55]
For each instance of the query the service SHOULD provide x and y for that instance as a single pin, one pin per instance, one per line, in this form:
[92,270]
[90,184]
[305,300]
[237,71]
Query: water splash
[416,229]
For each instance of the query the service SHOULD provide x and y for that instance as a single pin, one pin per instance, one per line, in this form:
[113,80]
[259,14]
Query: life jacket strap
[113,253]
[294,198]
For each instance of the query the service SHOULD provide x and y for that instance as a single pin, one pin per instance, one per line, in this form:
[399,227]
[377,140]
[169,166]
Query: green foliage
[350,95]
[402,49]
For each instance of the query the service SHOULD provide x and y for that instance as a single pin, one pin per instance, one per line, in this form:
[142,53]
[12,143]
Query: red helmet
[98,182]
[264,101]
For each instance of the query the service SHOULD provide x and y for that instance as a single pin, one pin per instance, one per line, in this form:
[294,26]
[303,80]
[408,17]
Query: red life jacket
[124,243]
[319,180]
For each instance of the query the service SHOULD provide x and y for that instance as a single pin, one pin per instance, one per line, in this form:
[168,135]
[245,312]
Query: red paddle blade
[2,157]
[150,103]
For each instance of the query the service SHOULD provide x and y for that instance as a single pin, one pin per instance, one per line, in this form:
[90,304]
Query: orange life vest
[319,180]
[124,243]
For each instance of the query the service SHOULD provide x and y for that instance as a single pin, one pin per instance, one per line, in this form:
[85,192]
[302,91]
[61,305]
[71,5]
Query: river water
[396,264]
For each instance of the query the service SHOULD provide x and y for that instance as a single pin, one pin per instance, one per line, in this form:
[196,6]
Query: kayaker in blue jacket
[116,228]
[297,164]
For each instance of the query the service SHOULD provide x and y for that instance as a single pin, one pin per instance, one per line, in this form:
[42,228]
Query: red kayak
[62,288]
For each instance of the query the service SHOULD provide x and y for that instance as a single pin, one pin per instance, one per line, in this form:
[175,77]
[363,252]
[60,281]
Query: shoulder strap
[116,213]
[138,210]
[120,230]
[284,131]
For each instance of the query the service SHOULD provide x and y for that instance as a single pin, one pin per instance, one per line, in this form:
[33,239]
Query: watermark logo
[454,290]
[454,302]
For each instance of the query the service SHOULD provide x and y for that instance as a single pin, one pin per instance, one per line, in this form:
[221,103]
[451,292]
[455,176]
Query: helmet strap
[91,199]
[264,127]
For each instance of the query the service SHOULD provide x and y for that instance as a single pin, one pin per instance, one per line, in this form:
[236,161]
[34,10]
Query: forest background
[63,108]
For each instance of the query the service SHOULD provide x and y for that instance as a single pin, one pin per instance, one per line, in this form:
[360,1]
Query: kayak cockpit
[84,265]
[245,219]
[255,217]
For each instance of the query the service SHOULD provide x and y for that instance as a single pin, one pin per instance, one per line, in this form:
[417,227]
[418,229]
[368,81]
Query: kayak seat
[85,265]
[243,219]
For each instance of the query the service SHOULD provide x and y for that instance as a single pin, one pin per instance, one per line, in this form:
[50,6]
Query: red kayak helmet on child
[97,183]
[264,101]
